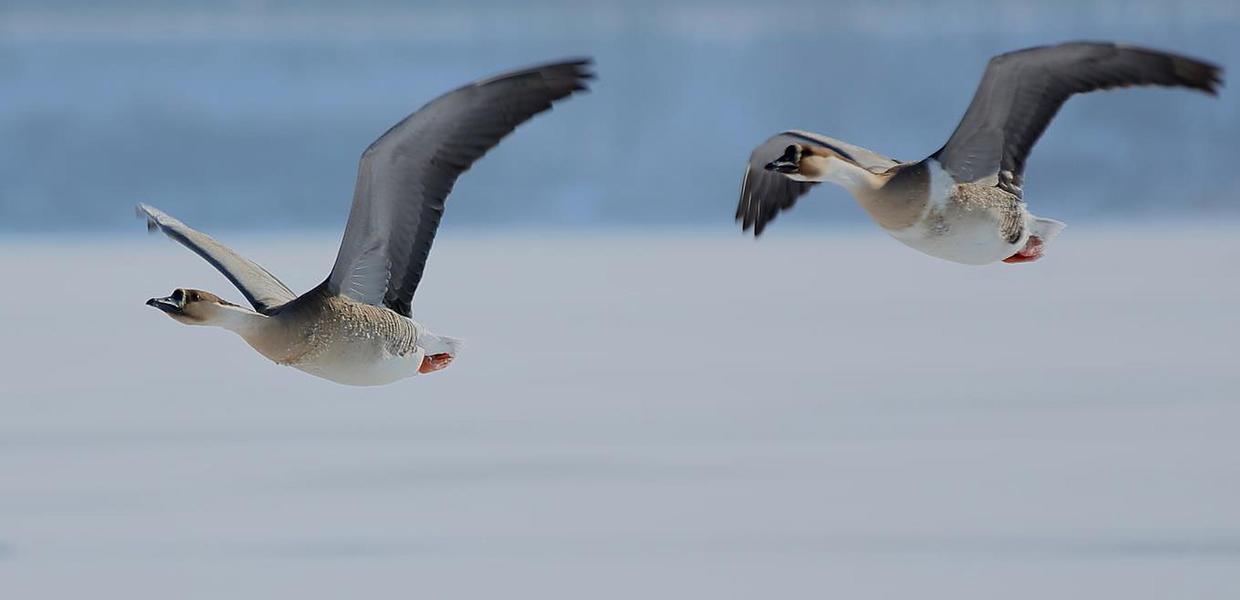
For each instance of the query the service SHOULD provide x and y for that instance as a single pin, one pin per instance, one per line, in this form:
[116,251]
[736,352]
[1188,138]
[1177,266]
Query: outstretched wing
[1021,91]
[260,287]
[406,175]
[764,194]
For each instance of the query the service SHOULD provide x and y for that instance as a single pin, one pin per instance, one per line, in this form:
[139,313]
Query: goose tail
[1046,229]
[440,344]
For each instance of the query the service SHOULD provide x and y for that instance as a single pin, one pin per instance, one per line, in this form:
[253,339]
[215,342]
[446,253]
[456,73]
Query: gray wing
[406,175]
[260,287]
[1021,91]
[764,194]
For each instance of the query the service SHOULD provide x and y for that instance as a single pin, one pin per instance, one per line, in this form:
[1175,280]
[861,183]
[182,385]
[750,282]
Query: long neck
[242,321]
[841,172]
[902,196]
[268,335]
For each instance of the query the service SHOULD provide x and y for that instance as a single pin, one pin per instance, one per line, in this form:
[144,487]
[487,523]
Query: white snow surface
[812,415]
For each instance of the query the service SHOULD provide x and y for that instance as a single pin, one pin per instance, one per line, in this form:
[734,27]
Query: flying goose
[963,203]
[356,327]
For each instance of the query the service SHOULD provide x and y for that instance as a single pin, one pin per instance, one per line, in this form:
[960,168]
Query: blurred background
[649,405]
[248,114]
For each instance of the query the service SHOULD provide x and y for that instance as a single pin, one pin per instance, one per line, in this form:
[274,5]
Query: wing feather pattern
[259,286]
[404,177]
[1022,91]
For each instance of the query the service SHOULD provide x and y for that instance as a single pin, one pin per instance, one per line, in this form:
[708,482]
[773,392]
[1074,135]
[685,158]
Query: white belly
[970,233]
[971,237]
[359,363]
[345,341]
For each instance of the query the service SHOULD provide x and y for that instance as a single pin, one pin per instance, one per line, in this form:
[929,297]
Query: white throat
[236,319]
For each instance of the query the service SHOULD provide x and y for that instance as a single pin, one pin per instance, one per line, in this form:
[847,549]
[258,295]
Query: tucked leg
[435,362]
[1031,252]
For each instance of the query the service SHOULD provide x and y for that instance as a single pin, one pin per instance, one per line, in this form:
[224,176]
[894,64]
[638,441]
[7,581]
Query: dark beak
[167,304]
[790,162]
[782,166]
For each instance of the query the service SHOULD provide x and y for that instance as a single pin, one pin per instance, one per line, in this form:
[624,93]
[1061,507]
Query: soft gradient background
[253,114]
[650,405]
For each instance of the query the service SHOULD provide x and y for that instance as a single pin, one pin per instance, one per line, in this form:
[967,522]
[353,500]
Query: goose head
[803,162]
[194,307]
[813,163]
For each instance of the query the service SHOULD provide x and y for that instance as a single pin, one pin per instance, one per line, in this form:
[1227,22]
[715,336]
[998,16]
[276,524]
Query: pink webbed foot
[1031,252]
[435,362]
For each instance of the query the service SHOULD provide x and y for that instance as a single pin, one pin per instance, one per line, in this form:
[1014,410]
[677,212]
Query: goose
[356,327]
[964,202]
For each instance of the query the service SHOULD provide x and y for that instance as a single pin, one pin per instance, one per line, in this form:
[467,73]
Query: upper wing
[765,193]
[406,175]
[261,288]
[1021,91]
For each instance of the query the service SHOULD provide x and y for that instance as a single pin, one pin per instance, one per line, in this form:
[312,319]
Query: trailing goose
[963,203]
[356,327]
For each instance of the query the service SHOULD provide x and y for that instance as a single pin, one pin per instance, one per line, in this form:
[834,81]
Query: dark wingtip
[749,214]
[585,73]
[585,67]
[753,218]
[1215,80]
[744,214]
[1200,75]
[574,70]
[140,210]
[580,69]
[581,66]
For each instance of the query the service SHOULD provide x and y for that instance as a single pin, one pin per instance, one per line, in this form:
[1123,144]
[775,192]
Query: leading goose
[963,203]
[355,328]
